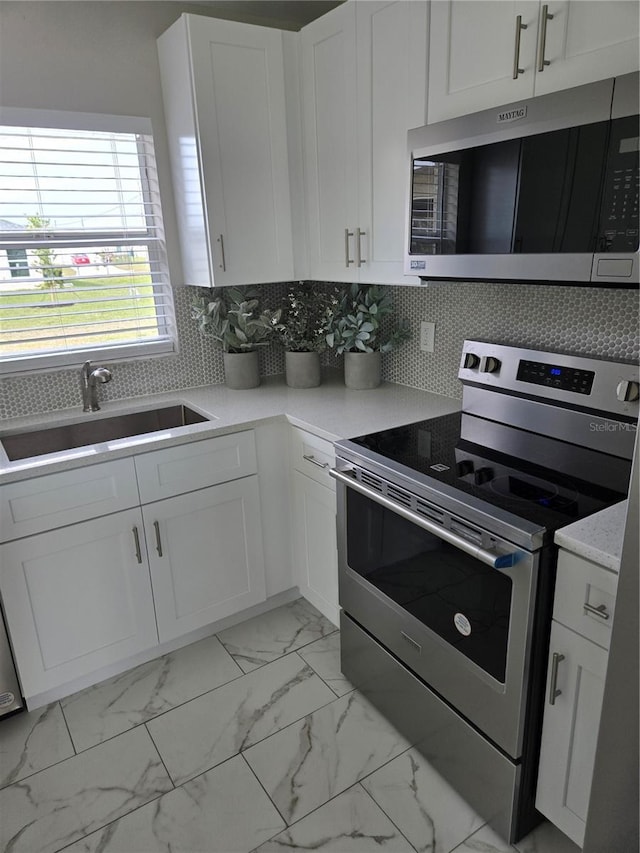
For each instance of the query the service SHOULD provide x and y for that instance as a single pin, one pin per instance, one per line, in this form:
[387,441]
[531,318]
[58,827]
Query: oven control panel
[556,376]
[608,387]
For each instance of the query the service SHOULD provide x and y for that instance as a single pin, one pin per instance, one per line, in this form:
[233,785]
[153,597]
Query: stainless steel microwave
[543,190]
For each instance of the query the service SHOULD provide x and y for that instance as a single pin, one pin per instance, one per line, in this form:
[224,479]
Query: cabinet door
[588,41]
[226,122]
[205,552]
[315,544]
[77,599]
[472,55]
[392,73]
[570,731]
[328,63]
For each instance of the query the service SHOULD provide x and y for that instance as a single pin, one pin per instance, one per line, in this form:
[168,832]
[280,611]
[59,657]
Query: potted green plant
[301,327]
[237,323]
[356,331]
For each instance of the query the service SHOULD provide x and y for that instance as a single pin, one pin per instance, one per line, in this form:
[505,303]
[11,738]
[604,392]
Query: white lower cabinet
[315,552]
[80,598]
[184,545]
[77,599]
[571,731]
[578,652]
[205,553]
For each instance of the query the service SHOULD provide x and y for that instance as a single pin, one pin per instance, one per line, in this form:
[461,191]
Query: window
[83,269]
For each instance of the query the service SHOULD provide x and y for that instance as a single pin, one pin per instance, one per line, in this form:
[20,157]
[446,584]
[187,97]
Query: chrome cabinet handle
[496,561]
[348,260]
[314,461]
[600,610]
[359,235]
[543,38]
[553,682]
[516,57]
[156,527]
[224,263]
[136,539]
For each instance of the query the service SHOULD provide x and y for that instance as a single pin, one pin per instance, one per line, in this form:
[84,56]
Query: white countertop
[330,411]
[597,538]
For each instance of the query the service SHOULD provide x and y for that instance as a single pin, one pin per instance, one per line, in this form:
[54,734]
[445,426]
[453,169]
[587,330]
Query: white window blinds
[83,270]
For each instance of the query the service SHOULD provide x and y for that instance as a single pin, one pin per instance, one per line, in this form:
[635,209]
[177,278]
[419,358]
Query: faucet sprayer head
[100,374]
[89,380]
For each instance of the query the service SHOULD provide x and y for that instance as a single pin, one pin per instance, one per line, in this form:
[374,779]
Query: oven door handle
[496,561]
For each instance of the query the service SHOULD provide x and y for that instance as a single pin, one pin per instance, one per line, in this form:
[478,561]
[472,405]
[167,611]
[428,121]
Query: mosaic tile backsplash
[588,321]
[585,321]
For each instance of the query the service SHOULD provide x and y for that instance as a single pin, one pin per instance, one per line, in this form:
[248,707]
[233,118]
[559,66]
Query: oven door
[430,592]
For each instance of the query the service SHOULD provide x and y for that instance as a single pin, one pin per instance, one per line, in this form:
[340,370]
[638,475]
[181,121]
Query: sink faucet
[89,379]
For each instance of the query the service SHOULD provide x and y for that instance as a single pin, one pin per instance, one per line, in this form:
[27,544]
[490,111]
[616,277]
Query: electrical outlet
[427,336]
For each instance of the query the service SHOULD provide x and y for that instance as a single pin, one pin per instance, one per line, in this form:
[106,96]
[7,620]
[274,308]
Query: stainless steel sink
[24,445]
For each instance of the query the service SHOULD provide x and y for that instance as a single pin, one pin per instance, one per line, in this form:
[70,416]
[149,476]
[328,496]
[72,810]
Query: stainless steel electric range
[447,562]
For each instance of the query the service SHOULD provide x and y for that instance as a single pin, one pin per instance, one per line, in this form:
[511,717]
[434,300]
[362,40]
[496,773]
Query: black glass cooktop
[574,484]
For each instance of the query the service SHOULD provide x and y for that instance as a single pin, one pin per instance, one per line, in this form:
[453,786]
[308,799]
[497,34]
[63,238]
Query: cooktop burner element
[522,488]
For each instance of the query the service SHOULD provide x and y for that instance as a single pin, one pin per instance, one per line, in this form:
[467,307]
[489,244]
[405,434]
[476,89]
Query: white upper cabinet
[363,86]
[589,41]
[223,89]
[328,64]
[472,53]
[489,52]
[391,74]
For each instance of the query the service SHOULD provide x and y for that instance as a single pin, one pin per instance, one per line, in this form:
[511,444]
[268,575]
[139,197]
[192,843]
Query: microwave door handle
[496,561]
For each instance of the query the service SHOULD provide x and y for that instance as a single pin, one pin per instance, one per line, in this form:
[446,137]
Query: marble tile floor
[250,740]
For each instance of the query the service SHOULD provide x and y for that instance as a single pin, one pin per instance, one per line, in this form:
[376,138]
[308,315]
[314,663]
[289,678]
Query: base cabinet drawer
[575,689]
[45,503]
[77,599]
[205,553]
[585,597]
[312,456]
[176,470]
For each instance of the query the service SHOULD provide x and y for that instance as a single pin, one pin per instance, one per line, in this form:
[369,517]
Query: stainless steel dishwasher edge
[10,696]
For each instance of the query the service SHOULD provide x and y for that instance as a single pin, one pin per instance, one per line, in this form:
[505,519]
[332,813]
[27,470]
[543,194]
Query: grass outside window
[111,315]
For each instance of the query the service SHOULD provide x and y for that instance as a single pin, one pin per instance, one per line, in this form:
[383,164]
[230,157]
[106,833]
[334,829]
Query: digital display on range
[556,376]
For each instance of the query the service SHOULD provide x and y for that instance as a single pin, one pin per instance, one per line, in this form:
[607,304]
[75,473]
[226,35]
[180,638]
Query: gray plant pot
[241,370]
[302,369]
[362,370]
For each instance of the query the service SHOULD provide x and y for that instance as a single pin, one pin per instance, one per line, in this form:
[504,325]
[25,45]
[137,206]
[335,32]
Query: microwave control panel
[619,220]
